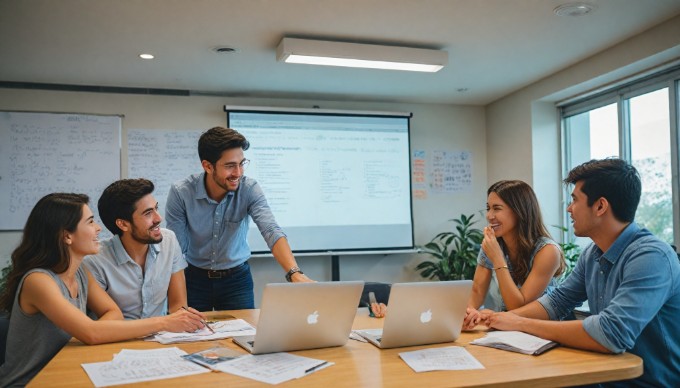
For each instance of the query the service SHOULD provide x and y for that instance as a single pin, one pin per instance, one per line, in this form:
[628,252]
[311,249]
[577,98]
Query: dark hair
[119,201]
[216,140]
[42,244]
[613,179]
[521,199]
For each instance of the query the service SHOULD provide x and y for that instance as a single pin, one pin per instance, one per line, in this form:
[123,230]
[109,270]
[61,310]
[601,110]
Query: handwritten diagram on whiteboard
[41,153]
[163,157]
[451,171]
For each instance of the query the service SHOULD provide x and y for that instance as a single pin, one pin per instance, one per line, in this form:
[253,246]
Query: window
[650,153]
[637,122]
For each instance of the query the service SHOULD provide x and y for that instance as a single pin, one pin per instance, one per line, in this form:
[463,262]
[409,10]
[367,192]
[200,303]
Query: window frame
[621,95]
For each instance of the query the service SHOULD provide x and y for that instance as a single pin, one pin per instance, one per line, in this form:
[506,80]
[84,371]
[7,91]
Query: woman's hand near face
[491,248]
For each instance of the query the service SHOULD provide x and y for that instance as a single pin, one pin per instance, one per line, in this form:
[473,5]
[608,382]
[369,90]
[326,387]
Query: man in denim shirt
[209,214]
[630,278]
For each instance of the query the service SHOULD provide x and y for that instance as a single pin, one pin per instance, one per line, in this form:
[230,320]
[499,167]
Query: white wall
[523,133]
[433,127]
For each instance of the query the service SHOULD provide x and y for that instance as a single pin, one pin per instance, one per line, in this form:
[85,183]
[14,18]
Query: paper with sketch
[133,366]
[515,341]
[223,329]
[448,358]
[273,368]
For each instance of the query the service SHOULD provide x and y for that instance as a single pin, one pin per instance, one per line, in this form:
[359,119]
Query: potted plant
[455,253]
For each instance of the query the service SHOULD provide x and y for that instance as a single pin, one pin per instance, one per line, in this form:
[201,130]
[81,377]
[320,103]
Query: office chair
[381,291]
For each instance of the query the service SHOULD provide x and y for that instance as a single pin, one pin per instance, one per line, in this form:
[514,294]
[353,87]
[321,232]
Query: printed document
[448,358]
[272,368]
[133,366]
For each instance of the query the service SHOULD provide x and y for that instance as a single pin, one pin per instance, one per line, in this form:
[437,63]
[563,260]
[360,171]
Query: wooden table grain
[359,364]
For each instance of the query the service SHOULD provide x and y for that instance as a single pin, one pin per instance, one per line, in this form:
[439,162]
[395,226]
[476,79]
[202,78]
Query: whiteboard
[41,153]
[163,157]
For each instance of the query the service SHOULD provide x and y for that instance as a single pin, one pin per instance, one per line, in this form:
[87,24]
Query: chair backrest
[381,291]
[4,328]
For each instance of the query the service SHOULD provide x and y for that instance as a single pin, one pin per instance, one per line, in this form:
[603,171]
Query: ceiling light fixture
[146,56]
[328,53]
[574,9]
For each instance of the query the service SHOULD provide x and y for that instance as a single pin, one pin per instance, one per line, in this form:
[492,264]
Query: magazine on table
[213,356]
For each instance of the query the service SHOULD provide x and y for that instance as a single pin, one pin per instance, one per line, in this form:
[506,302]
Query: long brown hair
[521,199]
[42,244]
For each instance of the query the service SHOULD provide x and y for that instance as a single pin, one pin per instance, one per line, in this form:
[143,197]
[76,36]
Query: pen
[203,322]
[315,367]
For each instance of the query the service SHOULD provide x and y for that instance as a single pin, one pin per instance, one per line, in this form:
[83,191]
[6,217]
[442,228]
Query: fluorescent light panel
[327,53]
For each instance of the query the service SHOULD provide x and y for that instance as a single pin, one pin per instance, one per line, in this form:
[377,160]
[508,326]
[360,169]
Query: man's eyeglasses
[232,166]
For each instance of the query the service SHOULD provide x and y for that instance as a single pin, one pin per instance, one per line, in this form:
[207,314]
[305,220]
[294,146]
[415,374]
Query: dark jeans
[232,290]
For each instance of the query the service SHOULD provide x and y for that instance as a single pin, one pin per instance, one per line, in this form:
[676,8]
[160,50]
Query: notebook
[422,313]
[297,316]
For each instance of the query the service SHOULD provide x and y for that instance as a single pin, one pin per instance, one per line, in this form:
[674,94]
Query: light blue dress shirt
[138,294]
[494,299]
[633,291]
[213,235]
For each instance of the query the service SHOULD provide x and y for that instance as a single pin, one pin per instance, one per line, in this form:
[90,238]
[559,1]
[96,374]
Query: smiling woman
[518,260]
[48,291]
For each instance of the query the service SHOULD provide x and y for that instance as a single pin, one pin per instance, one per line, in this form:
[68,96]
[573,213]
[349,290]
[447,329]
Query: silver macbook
[297,316]
[422,313]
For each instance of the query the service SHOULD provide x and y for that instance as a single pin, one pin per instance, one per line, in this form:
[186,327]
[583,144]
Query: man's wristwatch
[290,273]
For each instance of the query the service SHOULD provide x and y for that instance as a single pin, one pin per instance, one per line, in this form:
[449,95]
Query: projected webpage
[333,182]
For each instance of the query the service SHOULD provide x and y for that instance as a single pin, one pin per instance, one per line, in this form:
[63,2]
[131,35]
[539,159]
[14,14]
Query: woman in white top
[518,261]
[47,291]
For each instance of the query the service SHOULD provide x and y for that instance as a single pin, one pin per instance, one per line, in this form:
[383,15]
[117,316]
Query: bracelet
[501,267]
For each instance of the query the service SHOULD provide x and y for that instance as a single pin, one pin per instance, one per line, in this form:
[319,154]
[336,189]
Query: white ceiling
[495,46]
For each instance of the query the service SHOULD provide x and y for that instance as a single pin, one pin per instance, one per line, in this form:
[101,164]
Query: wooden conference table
[359,364]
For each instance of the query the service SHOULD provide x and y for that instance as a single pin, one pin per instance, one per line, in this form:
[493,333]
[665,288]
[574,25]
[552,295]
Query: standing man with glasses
[209,214]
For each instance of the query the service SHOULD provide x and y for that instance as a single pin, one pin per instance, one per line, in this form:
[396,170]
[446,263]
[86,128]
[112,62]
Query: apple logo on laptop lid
[426,316]
[313,318]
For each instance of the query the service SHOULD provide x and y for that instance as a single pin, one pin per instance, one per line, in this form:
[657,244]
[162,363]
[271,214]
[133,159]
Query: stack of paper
[515,341]
[133,366]
[223,329]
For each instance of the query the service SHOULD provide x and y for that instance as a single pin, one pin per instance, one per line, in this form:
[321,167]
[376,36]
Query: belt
[217,273]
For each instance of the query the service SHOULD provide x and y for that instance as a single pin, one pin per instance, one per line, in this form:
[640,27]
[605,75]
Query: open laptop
[422,313]
[297,316]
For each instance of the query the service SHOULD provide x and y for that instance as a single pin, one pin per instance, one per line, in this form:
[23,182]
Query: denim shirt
[633,291]
[213,235]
